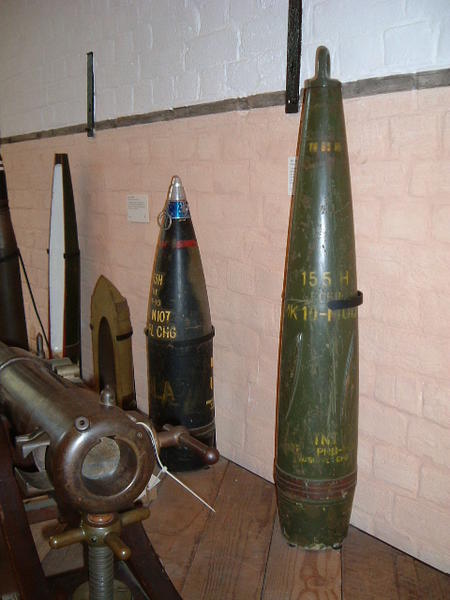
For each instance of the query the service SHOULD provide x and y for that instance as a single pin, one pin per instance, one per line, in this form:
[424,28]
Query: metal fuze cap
[177,208]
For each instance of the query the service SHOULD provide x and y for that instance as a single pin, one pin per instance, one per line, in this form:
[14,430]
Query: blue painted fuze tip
[178,207]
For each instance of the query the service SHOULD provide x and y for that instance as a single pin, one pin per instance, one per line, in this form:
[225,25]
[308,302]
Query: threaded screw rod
[101,573]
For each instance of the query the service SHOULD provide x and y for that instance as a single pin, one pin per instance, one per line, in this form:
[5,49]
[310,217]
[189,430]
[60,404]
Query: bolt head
[82,423]
[108,396]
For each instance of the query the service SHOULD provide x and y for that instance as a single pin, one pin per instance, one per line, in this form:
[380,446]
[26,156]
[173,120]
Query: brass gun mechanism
[91,455]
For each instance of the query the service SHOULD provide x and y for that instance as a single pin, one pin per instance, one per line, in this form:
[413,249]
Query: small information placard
[138,208]
[292,164]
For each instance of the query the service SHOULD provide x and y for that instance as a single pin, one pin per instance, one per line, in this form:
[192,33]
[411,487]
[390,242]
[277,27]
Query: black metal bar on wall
[90,95]
[294,50]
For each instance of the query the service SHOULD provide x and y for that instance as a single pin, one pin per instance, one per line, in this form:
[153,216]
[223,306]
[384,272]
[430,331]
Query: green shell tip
[322,63]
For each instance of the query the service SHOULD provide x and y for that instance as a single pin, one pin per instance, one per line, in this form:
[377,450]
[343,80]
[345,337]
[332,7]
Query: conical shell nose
[177,206]
[176,190]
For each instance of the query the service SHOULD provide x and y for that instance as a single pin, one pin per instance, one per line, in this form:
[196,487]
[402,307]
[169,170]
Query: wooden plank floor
[238,553]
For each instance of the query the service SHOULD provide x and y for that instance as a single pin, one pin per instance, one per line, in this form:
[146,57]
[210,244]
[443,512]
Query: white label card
[138,208]
[292,165]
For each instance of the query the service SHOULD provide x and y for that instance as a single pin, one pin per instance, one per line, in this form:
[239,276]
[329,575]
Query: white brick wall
[373,39]
[156,54]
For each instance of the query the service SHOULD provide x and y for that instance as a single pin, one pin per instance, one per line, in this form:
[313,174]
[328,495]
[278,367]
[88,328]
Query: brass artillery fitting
[101,530]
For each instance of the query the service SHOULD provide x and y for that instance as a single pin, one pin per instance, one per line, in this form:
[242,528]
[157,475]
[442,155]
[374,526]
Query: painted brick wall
[234,167]
[401,183]
[157,54]
[148,55]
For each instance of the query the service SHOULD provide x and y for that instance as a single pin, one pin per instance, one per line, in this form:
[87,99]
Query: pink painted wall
[234,168]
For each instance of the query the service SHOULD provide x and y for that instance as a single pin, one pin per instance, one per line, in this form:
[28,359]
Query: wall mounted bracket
[90,95]
[294,47]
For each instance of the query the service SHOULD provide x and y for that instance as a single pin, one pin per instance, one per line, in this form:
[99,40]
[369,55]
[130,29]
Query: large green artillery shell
[13,328]
[180,334]
[318,374]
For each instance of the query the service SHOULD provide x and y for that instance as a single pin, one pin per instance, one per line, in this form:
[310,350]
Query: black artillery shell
[13,329]
[180,334]
[318,374]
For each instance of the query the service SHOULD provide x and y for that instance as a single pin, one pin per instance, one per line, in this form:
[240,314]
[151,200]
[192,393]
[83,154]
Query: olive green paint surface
[318,374]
